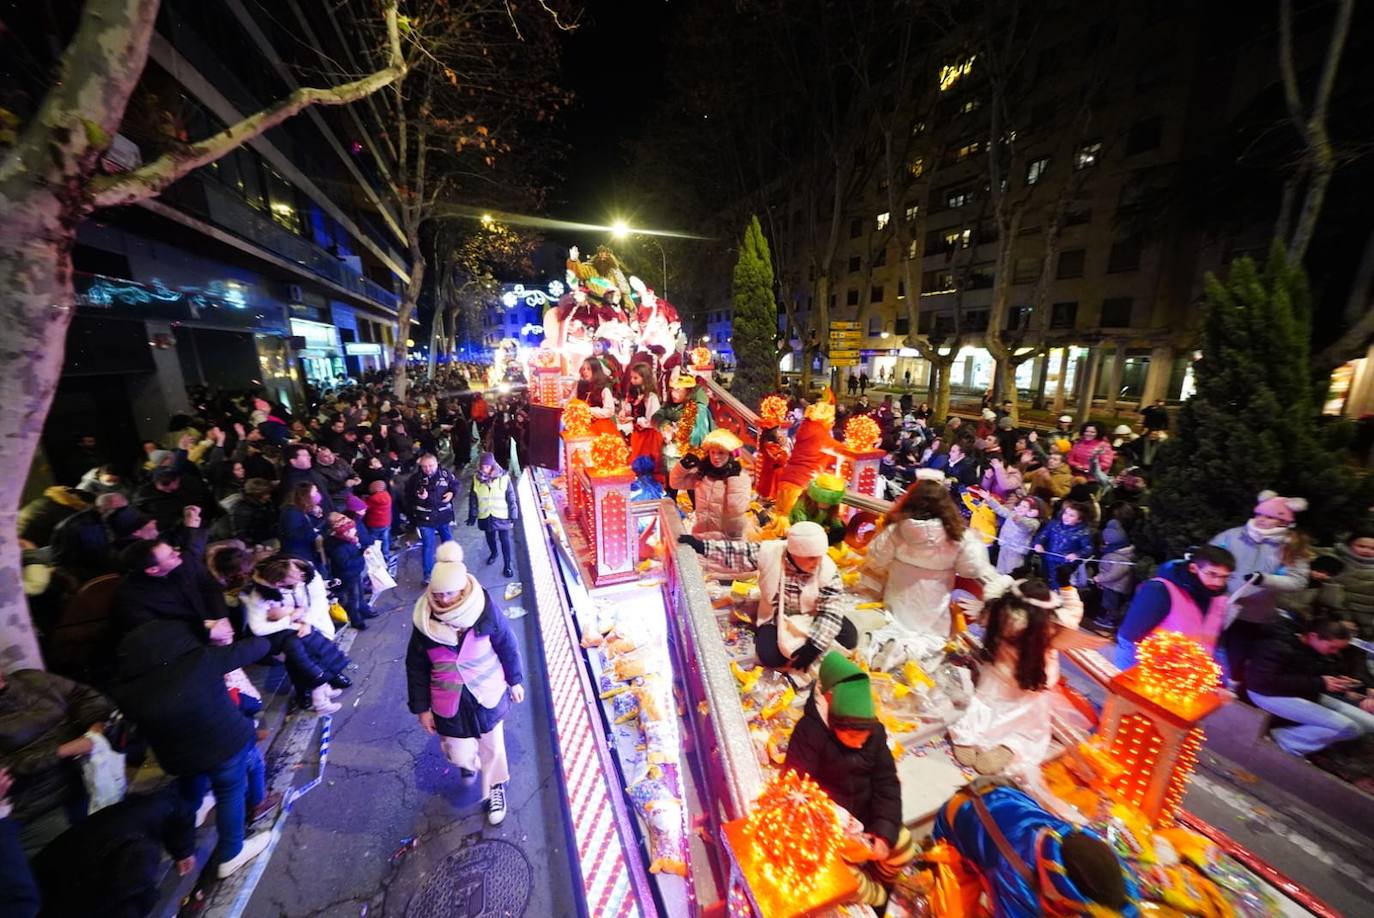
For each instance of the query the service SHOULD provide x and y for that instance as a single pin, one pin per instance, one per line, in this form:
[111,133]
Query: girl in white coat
[914,560]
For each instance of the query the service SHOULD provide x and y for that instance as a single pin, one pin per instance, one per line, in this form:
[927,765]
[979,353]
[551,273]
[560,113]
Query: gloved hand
[698,545]
[806,654]
[1255,578]
[472,521]
[689,461]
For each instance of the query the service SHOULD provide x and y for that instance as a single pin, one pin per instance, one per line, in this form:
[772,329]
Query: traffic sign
[845,354]
[843,325]
[846,336]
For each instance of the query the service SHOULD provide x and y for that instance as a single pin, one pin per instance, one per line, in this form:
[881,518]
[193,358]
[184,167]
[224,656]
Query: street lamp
[621,230]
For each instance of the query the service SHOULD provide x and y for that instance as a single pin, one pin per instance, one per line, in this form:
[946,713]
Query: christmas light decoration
[793,831]
[609,454]
[685,424]
[773,410]
[862,433]
[577,418]
[701,358]
[1175,668]
[547,359]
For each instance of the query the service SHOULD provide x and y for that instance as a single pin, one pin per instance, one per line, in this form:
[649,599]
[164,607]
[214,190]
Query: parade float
[671,735]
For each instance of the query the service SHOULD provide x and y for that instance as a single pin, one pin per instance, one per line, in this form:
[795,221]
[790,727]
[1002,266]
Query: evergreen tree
[1252,424]
[755,325]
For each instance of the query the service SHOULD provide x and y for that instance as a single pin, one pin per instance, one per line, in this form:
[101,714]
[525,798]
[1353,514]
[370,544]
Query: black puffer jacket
[432,509]
[1284,667]
[40,711]
[863,781]
[172,686]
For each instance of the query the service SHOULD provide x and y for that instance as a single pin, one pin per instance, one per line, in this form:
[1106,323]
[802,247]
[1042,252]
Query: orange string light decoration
[577,418]
[862,433]
[701,358]
[794,832]
[685,425]
[1175,668]
[609,454]
[773,410]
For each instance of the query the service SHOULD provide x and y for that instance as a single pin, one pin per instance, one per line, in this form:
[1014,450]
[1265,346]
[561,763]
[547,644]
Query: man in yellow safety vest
[492,508]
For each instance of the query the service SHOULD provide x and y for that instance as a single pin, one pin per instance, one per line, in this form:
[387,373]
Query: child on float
[821,504]
[924,545]
[596,389]
[799,616]
[640,406]
[721,488]
[463,673]
[1007,724]
[771,456]
[840,744]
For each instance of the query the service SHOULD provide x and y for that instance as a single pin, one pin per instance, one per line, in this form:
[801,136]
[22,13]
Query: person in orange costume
[808,453]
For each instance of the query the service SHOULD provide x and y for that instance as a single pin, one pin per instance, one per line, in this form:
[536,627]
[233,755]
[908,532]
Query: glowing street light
[488,220]
[620,229]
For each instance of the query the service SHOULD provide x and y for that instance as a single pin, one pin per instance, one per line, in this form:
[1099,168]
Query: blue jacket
[346,559]
[1056,537]
[1036,835]
[1151,602]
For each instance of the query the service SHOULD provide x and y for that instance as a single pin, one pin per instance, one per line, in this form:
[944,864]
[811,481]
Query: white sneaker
[206,805]
[335,692]
[252,847]
[320,701]
[496,805]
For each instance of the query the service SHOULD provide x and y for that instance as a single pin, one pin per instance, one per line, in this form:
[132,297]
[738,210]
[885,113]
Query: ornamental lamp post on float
[577,440]
[606,517]
[1147,741]
[858,458]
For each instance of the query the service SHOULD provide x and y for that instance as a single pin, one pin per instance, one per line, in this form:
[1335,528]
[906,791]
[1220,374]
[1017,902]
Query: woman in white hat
[799,618]
[463,672]
[721,488]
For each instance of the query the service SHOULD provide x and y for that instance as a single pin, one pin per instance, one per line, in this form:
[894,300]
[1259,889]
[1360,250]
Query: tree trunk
[401,351]
[939,405]
[36,278]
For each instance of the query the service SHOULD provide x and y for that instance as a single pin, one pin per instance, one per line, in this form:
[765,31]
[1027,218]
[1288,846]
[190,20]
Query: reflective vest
[1186,618]
[491,498]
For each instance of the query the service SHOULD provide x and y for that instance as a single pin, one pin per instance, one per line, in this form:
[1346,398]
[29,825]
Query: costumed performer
[840,744]
[924,545]
[720,487]
[770,458]
[1007,725]
[640,406]
[463,672]
[808,452]
[798,617]
[821,505]
[595,388]
[1032,862]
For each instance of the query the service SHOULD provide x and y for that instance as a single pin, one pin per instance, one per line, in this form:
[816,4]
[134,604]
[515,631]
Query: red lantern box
[546,387]
[858,468]
[607,520]
[576,449]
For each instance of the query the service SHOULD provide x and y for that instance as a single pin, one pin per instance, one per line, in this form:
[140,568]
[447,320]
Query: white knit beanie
[807,540]
[450,573]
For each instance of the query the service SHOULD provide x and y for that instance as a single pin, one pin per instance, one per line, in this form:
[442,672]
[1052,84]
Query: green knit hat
[851,698]
[826,489]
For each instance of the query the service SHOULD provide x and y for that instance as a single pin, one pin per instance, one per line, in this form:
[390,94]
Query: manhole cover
[487,879]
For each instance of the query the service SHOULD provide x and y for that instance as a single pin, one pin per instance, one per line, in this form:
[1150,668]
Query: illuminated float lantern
[857,459]
[577,441]
[702,365]
[606,516]
[546,379]
[1147,742]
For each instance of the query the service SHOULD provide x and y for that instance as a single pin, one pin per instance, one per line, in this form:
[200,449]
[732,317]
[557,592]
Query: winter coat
[425,688]
[163,819]
[298,531]
[722,497]
[433,510]
[378,514]
[492,521]
[1081,455]
[188,594]
[1116,567]
[172,685]
[807,453]
[39,517]
[1265,556]
[346,561]
[40,711]
[252,521]
[1284,667]
[1051,484]
[1357,583]
[1013,538]
[309,597]
[1060,539]
[292,476]
[1152,602]
[863,781]
[912,565]
[167,507]
[335,476]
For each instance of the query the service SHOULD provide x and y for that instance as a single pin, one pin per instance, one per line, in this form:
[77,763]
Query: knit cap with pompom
[450,573]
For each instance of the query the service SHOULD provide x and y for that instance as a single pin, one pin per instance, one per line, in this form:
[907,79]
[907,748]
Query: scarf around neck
[447,624]
[1257,534]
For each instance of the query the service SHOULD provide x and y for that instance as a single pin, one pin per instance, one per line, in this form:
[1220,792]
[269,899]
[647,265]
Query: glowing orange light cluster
[862,433]
[793,831]
[609,453]
[1184,767]
[685,424]
[701,358]
[577,418]
[1137,747]
[773,410]
[1175,668]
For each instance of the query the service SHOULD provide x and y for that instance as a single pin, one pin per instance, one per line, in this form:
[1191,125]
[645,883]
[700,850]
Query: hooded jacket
[1264,556]
[39,517]
[863,781]
[912,565]
[1116,568]
[1357,585]
[1151,603]
[172,685]
[1283,666]
[722,498]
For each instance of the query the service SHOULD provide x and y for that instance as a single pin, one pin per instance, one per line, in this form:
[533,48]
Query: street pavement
[393,830]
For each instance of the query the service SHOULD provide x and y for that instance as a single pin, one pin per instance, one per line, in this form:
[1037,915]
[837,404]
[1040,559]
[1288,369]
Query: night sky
[614,64]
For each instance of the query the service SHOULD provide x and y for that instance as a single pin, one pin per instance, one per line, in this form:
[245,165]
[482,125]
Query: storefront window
[282,202]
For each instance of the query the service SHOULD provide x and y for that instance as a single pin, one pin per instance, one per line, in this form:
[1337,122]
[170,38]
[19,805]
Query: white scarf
[1257,534]
[449,628]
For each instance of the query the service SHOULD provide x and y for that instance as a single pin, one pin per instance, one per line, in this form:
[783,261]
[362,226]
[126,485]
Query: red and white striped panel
[600,849]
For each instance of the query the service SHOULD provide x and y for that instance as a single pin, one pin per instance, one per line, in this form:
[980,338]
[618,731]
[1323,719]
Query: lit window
[1036,170]
[1088,155]
[883,219]
[968,149]
[912,249]
[918,128]
[917,167]
[951,238]
[953,73]
[911,211]
[966,237]
[971,105]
